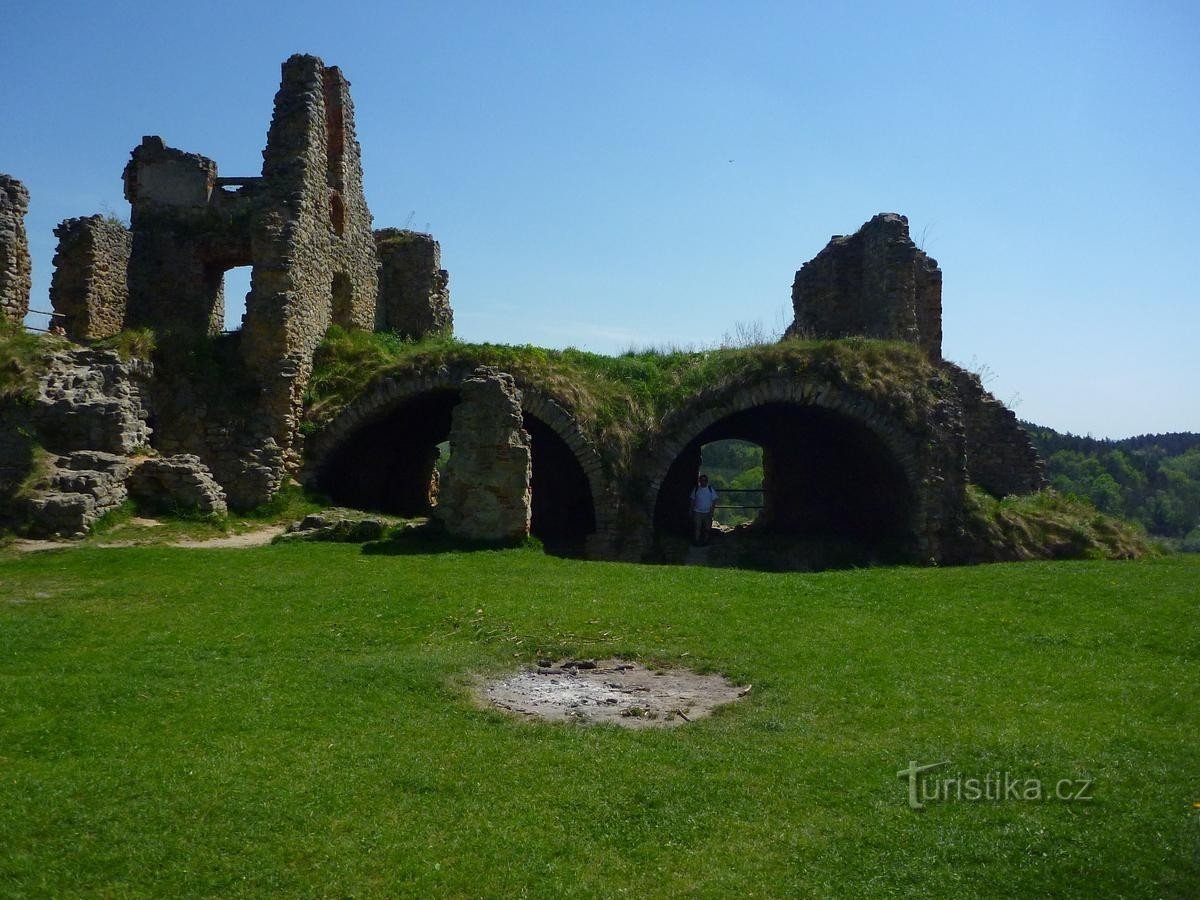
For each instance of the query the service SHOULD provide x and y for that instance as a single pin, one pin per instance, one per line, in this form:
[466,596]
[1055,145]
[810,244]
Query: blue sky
[617,174]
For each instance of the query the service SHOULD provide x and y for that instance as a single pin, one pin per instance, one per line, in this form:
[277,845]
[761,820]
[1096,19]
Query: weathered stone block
[485,492]
[177,483]
[92,399]
[89,290]
[414,290]
[16,267]
[77,490]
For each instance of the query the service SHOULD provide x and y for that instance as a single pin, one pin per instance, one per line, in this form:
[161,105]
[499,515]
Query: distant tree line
[1153,479]
[736,465]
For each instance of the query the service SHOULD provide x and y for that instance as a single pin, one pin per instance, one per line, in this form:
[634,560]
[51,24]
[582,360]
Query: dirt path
[248,539]
[256,538]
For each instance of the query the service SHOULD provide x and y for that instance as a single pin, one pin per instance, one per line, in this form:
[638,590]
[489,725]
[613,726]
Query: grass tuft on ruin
[620,398]
[21,361]
[1048,525]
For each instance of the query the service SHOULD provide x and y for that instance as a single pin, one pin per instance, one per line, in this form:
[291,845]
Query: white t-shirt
[703,499]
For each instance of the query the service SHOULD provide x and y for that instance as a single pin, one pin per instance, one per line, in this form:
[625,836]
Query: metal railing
[722,491]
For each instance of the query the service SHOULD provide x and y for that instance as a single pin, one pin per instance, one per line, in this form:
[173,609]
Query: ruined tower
[875,283]
[313,250]
[304,229]
[15,264]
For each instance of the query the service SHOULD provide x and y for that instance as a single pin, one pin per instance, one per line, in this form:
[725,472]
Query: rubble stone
[179,483]
[78,489]
[344,525]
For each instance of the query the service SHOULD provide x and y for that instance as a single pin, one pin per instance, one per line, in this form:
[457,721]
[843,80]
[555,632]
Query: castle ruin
[220,411]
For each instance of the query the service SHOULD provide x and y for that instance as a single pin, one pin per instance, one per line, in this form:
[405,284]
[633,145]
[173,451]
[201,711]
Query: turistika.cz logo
[993,787]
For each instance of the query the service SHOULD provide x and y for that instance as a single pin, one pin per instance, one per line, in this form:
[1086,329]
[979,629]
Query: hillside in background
[1153,479]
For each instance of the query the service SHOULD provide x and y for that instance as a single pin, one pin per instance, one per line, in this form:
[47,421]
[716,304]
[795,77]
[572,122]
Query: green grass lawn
[295,720]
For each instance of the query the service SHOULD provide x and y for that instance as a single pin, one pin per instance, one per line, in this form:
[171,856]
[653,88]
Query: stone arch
[559,444]
[915,460]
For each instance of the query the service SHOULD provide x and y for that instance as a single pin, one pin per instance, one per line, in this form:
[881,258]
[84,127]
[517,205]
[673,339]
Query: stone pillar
[15,265]
[485,491]
[414,289]
[89,288]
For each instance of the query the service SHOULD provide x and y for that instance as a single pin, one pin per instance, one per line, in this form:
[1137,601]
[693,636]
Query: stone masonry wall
[15,265]
[414,289]
[89,289]
[314,253]
[91,399]
[485,493]
[304,228]
[876,283]
[185,233]
[1001,458]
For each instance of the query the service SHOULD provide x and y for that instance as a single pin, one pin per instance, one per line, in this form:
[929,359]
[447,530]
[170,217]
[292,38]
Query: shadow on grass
[421,540]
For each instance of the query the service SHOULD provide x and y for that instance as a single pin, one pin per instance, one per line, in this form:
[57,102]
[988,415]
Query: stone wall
[314,259]
[414,289]
[89,289]
[1001,458]
[212,412]
[304,229]
[185,233]
[15,265]
[91,399]
[484,492]
[876,283]
[63,454]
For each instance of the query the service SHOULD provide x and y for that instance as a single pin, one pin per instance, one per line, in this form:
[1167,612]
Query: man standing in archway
[703,499]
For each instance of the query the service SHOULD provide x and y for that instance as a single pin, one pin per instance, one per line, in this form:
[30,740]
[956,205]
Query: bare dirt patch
[257,538]
[610,691]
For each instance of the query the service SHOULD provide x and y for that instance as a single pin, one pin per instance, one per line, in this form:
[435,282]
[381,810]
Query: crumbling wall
[314,253]
[485,493]
[1001,458]
[63,454]
[876,283]
[187,230]
[304,228]
[16,268]
[89,290]
[90,399]
[414,289]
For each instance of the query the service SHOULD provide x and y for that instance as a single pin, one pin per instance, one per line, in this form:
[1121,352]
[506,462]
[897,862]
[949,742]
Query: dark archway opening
[563,513]
[825,478]
[390,464]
